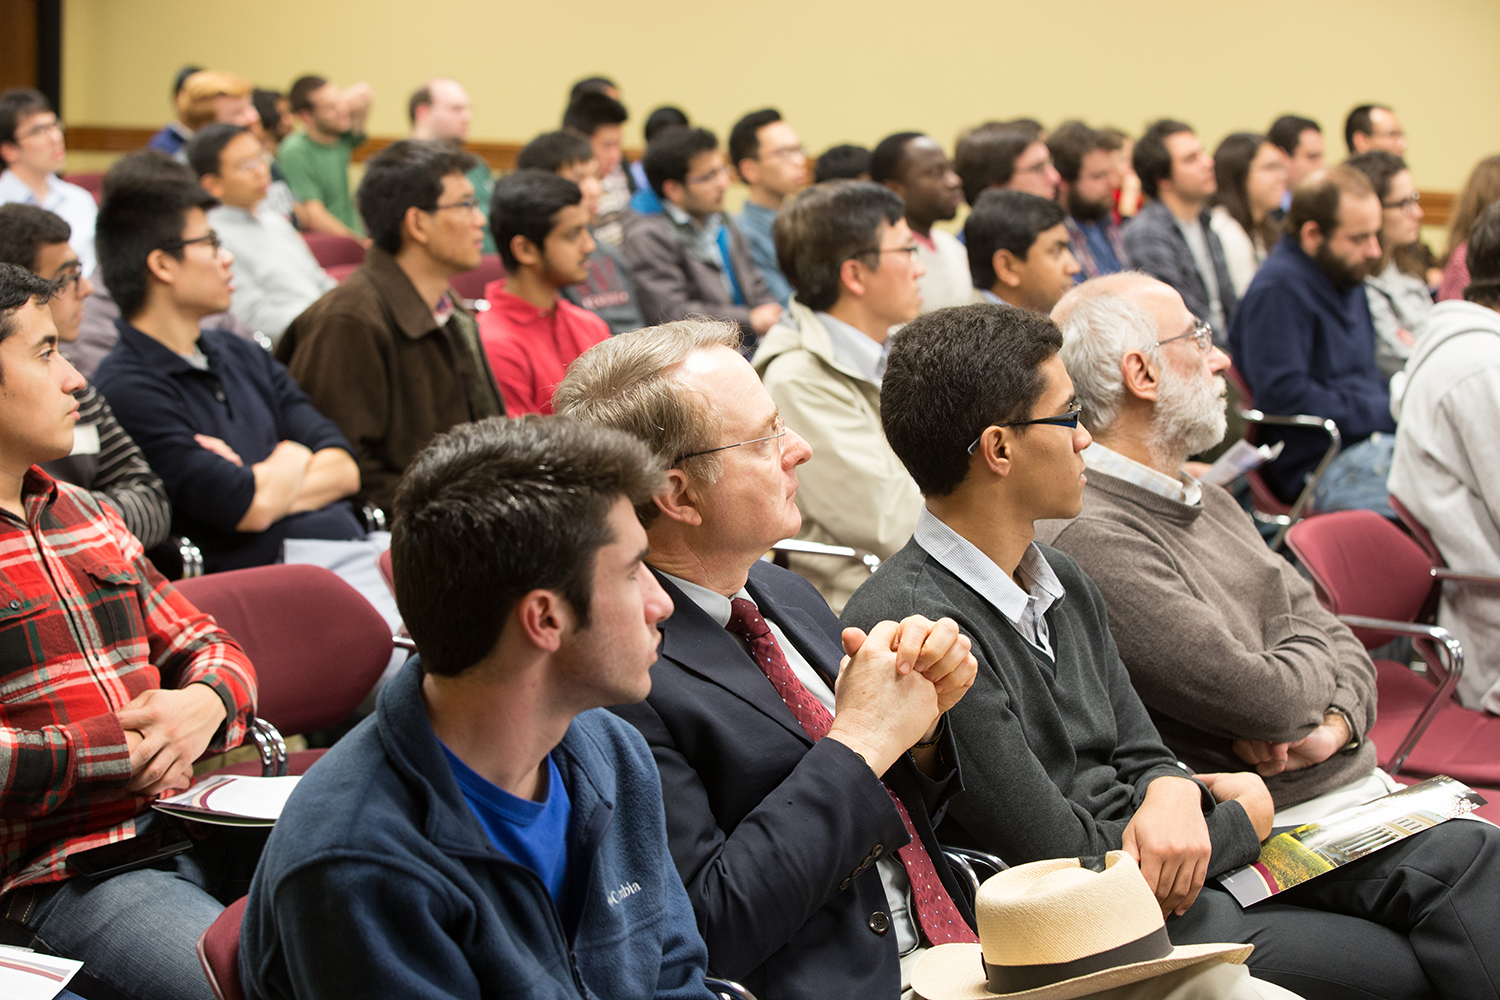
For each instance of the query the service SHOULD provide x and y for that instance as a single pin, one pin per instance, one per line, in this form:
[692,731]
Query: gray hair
[1100,321]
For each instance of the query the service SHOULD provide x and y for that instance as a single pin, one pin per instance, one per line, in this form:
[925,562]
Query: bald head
[440,110]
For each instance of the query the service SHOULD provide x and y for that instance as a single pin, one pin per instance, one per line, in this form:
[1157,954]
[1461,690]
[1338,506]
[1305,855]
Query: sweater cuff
[1233,838]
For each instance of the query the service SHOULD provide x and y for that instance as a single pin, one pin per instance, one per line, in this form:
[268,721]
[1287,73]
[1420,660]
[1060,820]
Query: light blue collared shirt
[69,202]
[855,350]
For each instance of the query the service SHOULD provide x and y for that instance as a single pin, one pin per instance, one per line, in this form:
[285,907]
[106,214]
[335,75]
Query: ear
[1004,262]
[414,225]
[673,191]
[852,277]
[897,187]
[679,501]
[749,170]
[1139,378]
[158,266]
[525,251]
[1310,236]
[995,449]
[9,152]
[543,617]
[213,184]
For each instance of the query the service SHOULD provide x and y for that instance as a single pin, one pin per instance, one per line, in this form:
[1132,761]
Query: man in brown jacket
[390,355]
[1226,644]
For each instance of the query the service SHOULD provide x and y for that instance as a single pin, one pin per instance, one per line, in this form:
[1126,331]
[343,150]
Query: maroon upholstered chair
[470,284]
[92,183]
[317,645]
[331,250]
[387,573]
[1377,580]
[219,952]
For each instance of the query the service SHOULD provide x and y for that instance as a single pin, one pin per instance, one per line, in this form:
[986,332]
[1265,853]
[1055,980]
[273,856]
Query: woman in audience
[1399,299]
[1481,191]
[1252,180]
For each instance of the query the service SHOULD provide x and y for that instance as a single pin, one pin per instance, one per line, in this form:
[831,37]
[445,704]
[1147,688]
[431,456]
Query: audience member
[275,274]
[1011,155]
[1127,183]
[600,118]
[916,168]
[439,110]
[1250,172]
[979,407]
[1304,343]
[607,291]
[1301,143]
[172,136]
[644,199]
[844,162]
[767,155]
[1480,191]
[208,97]
[1374,126]
[389,355]
[1399,300]
[491,824]
[1083,157]
[809,875]
[1018,248]
[116,685]
[246,459]
[316,160]
[848,253]
[33,151]
[1445,469]
[530,332]
[1228,685]
[276,119]
[595,84]
[690,259]
[104,460]
[1172,236]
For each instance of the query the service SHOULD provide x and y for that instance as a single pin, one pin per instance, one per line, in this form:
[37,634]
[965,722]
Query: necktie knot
[745,619]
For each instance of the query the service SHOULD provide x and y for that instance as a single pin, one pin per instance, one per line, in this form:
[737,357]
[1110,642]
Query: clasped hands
[166,731]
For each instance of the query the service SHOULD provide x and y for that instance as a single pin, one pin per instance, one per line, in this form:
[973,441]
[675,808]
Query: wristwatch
[1355,740]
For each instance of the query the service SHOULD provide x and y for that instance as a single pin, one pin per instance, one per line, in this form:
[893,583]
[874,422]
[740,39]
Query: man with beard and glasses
[1083,158]
[1304,342]
[1202,611]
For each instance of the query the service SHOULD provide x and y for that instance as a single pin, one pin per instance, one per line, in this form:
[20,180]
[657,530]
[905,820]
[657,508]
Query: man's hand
[1249,791]
[218,447]
[1168,838]
[1317,746]
[880,711]
[1268,758]
[938,651]
[165,731]
[763,317]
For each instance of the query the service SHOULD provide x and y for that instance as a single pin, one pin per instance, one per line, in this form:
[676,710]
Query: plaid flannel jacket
[86,625]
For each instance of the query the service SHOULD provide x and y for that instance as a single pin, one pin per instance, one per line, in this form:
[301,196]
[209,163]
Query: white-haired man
[1226,643]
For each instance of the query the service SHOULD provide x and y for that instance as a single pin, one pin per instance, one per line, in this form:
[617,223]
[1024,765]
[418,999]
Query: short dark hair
[526,203]
[1151,160]
[744,138]
[889,156]
[144,165]
[671,153]
[1286,132]
[663,117]
[554,151]
[591,85]
[25,229]
[419,97]
[1484,258]
[17,103]
[1379,166]
[18,286]
[1318,200]
[1070,142]
[300,96]
[845,162]
[492,510]
[826,226]
[204,148]
[136,219]
[265,106]
[591,109]
[1005,220]
[1360,121]
[406,174]
[986,157]
[951,374]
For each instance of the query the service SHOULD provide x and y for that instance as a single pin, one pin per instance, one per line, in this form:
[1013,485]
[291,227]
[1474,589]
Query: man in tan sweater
[1225,642]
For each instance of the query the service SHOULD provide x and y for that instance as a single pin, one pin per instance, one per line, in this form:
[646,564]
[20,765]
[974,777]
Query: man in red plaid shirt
[111,685]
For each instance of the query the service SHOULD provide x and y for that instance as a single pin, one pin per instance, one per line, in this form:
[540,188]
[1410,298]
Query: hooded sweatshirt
[1446,470]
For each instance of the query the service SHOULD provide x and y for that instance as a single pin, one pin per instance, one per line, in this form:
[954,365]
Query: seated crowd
[633,755]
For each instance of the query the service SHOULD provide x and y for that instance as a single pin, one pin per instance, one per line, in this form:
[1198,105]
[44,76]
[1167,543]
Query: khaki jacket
[854,490]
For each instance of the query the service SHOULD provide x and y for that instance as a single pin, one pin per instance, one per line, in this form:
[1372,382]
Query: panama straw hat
[1052,930]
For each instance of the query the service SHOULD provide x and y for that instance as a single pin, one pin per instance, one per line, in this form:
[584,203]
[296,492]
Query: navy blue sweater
[1305,347]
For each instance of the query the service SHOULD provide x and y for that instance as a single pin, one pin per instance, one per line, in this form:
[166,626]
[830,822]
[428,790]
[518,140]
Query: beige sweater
[1223,639]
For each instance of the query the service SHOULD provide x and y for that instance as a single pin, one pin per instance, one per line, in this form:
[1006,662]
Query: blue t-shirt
[534,834]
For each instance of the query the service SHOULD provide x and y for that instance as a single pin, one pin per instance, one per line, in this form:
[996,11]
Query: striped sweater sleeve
[123,478]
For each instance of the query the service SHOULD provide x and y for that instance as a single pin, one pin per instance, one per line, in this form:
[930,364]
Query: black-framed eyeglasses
[210,237]
[1202,332]
[1068,419]
[468,205]
[1407,204]
[67,278]
[911,250]
[777,435]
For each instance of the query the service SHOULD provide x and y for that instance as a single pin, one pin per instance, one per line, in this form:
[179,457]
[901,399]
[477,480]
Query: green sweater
[1223,639]
[319,172]
[1055,756]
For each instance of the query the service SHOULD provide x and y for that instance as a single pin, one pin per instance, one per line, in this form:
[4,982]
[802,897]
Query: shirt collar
[38,492]
[158,356]
[855,350]
[13,189]
[964,560]
[992,298]
[682,218]
[713,603]
[412,315]
[1183,489]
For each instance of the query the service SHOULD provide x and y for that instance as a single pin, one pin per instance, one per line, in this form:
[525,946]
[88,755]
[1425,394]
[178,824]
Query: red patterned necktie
[940,919]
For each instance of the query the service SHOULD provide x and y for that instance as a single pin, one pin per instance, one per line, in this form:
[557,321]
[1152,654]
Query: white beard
[1189,417]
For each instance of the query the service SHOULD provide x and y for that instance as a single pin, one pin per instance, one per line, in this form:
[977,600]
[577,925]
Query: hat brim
[956,972]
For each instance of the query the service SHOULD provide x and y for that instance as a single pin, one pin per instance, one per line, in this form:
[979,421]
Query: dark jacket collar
[411,313]
[157,356]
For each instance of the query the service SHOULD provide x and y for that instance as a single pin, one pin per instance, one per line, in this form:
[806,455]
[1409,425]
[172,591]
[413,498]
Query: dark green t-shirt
[319,172]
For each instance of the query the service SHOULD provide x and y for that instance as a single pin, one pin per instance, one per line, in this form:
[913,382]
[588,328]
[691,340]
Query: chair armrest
[728,989]
[404,642]
[974,866]
[373,517]
[1459,576]
[1335,442]
[271,746]
[192,557]
[819,549]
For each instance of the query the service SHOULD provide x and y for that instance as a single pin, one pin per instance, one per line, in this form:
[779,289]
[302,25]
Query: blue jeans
[1355,479]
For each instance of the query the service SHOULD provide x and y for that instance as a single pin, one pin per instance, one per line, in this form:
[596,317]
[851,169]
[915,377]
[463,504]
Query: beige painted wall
[838,71]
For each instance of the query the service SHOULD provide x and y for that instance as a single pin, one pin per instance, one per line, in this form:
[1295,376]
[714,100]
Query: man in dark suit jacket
[787,843]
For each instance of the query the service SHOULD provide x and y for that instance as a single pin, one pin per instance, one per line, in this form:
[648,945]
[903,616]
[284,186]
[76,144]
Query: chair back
[317,645]
[331,250]
[387,571]
[1364,565]
[1260,492]
[219,952]
[470,284]
[92,183]
[1417,531]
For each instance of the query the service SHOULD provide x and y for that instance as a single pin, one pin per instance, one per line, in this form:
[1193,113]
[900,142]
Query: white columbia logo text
[626,889]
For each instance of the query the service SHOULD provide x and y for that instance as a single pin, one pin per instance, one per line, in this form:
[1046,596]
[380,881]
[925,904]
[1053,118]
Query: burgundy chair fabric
[386,572]
[92,183]
[1418,532]
[1363,564]
[219,952]
[330,250]
[471,284]
[1260,493]
[338,272]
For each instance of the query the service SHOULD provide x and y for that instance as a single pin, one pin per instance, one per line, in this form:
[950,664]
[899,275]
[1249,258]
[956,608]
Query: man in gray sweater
[1059,756]
[1225,642]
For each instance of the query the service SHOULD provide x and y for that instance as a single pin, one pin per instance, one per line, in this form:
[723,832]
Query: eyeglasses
[784,153]
[709,177]
[469,205]
[1039,168]
[251,162]
[777,435]
[40,129]
[1408,204]
[211,238]
[1068,419]
[911,250]
[1201,332]
[67,278]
